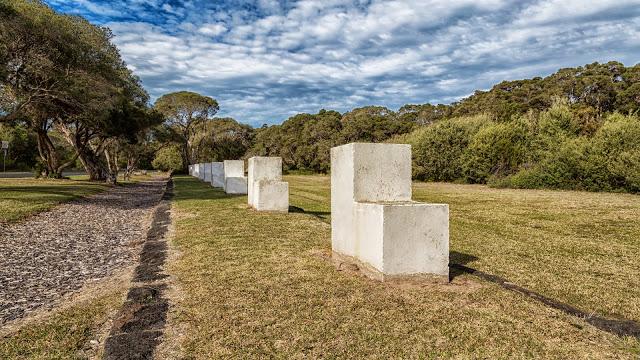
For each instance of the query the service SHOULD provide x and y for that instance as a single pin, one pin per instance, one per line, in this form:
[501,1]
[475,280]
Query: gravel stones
[59,251]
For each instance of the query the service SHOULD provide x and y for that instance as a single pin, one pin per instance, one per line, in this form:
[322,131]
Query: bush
[438,149]
[168,159]
[497,149]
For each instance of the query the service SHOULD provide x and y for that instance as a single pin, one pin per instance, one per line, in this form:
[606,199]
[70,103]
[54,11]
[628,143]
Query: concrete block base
[271,196]
[235,185]
[340,260]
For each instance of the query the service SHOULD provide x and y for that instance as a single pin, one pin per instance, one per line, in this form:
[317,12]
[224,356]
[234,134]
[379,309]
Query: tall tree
[183,112]
[61,72]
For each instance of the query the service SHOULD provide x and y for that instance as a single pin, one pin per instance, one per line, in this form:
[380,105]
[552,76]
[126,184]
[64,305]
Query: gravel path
[59,251]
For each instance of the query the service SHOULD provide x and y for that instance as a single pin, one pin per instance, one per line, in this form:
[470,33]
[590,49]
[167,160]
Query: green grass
[65,334]
[261,284]
[20,198]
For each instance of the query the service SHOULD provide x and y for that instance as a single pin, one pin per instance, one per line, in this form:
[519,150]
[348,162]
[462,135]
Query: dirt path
[60,251]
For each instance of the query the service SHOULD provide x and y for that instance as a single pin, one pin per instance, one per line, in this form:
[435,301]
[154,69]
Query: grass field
[259,284]
[20,198]
[67,333]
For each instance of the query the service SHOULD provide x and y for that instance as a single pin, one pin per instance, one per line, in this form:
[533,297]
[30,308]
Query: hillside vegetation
[575,129]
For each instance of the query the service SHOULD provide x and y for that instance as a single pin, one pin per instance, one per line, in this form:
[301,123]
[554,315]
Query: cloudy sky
[266,60]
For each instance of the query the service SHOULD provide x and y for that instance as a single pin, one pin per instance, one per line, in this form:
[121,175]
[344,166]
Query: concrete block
[266,191]
[201,171]
[217,174]
[190,170]
[271,195]
[207,172]
[235,185]
[196,170]
[375,224]
[233,168]
[234,180]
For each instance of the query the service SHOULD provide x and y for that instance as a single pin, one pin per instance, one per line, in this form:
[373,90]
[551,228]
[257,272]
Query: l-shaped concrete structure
[266,190]
[374,222]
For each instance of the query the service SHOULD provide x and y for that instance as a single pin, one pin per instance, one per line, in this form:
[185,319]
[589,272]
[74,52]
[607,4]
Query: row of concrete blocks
[374,222]
[264,186]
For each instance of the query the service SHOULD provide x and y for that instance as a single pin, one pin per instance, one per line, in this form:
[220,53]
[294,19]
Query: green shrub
[168,159]
[438,149]
[497,149]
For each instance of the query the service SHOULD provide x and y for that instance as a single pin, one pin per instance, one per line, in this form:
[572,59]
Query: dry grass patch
[75,330]
[257,284]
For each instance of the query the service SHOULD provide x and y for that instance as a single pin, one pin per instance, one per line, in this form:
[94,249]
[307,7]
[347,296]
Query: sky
[266,60]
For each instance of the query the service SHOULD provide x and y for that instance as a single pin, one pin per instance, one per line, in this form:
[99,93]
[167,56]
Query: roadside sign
[5,145]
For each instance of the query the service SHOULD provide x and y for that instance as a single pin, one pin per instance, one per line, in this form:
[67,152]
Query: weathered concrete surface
[235,185]
[234,180]
[207,172]
[196,170]
[190,170]
[266,190]
[217,174]
[271,196]
[375,223]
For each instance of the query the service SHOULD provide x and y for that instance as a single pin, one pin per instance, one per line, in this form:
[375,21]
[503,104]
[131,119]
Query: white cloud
[264,62]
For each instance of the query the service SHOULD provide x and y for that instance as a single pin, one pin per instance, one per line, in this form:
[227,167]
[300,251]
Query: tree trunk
[185,157]
[92,165]
[48,154]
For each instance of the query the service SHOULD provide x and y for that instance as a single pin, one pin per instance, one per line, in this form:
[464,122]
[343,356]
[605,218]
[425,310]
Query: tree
[169,159]
[59,72]
[183,111]
[220,139]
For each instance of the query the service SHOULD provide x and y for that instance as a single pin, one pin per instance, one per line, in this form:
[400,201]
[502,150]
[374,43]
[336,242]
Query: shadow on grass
[321,215]
[620,327]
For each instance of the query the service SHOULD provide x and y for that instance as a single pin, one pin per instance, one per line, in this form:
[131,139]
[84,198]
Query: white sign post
[5,148]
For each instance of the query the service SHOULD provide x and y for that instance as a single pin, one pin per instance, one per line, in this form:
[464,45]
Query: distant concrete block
[373,220]
[235,185]
[234,180]
[190,170]
[201,171]
[217,174]
[207,172]
[266,190]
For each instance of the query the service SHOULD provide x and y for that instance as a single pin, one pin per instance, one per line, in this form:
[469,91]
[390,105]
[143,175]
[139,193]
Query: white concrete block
[271,195]
[233,168]
[196,170]
[234,180]
[263,168]
[235,185]
[201,171]
[207,172]
[217,174]
[190,170]
[265,189]
[373,220]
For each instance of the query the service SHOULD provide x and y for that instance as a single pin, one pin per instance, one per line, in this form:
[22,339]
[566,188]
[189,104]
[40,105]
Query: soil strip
[140,323]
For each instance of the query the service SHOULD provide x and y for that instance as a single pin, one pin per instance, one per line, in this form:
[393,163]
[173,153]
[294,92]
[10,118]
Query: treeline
[67,99]
[65,89]
[575,129]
